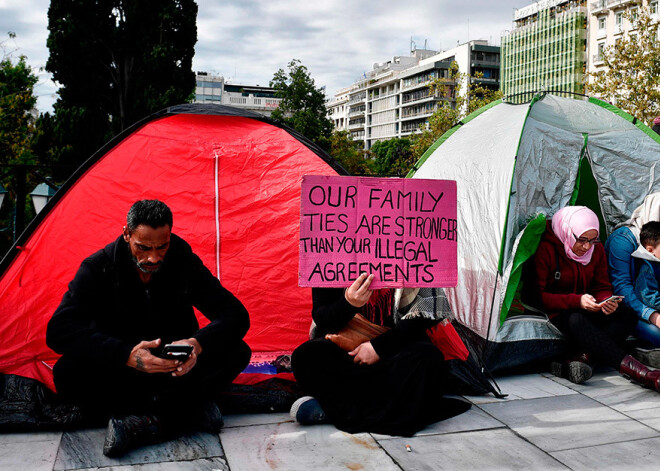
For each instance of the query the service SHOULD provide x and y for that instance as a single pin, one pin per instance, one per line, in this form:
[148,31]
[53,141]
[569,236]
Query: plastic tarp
[233,185]
[480,156]
[624,159]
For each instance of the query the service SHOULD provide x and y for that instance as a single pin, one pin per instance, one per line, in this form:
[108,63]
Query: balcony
[359,112]
[413,127]
[418,114]
[356,125]
[599,6]
[604,5]
[485,64]
[619,3]
[357,98]
[251,102]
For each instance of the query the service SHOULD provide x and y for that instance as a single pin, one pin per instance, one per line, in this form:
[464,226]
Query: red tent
[232,180]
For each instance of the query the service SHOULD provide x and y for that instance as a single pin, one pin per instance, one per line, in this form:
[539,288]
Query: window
[653,8]
[601,51]
[601,22]
[619,19]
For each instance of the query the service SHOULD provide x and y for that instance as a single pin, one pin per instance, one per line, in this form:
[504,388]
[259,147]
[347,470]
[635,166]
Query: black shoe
[648,356]
[308,411]
[577,369]
[210,418]
[130,432]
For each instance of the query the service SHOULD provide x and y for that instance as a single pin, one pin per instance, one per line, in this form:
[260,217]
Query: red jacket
[575,280]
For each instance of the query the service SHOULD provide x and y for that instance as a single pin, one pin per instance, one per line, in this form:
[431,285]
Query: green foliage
[349,153]
[303,105]
[393,157]
[17,102]
[454,107]
[631,79]
[117,61]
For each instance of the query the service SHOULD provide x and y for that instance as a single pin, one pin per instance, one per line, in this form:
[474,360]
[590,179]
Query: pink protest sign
[401,230]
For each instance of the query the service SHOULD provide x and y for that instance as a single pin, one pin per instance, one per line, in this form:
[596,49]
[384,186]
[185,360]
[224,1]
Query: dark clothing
[398,395]
[331,312]
[108,310]
[599,335]
[123,390]
[575,279]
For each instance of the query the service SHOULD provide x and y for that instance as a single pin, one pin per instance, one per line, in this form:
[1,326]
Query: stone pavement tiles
[544,423]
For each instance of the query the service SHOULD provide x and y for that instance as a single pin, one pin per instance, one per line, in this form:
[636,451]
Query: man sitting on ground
[125,303]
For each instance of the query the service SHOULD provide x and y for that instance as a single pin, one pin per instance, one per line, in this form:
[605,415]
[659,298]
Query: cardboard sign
[401,230]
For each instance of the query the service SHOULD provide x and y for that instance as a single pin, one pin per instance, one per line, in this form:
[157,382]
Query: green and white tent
[516,165]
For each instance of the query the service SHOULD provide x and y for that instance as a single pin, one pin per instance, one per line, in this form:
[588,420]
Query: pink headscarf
[572,221]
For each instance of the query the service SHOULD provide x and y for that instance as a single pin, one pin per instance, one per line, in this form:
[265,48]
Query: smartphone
[617,299]
[175,351]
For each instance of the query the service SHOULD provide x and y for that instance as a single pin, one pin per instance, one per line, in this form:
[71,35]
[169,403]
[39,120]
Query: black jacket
[331,312]
[108,309]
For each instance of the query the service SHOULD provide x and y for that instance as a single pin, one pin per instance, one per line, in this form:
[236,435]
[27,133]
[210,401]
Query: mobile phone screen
[613,298]
[177,351]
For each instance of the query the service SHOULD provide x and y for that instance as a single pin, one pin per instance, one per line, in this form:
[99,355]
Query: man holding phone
[126,302]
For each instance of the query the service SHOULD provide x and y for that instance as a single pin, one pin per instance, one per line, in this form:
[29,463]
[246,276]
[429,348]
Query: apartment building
[607,25]
[214,89]
[393,99]
[338,109]
[546,50]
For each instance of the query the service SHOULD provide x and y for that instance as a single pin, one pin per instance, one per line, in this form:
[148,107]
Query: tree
[393,157]
[455,107]
[17,103]
[349,153]
[117,61]
[303,105]
[631,78]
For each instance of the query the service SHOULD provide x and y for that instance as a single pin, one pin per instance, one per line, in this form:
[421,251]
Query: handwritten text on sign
[401,230]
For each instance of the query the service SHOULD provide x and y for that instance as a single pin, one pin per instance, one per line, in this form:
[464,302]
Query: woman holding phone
[575,291]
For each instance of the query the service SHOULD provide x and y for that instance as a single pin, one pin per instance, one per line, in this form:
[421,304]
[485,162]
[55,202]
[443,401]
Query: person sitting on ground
[620,246]
[392,384]
[656,125]
[572,275]
[125,303]
[648,254]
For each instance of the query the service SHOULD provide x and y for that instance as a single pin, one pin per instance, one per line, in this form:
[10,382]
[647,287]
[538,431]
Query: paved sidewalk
[545,423]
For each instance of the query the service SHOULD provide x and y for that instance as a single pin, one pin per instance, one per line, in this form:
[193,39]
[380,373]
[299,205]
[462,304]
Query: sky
[247,41]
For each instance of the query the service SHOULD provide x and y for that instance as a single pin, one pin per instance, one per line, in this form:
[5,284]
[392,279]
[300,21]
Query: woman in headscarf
[575,289]
[620,246]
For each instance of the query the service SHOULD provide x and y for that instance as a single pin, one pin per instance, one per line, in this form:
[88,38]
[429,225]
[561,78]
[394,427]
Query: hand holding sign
[358,293]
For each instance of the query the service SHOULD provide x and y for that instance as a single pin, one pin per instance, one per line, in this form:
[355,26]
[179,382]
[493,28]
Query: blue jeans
[648,333]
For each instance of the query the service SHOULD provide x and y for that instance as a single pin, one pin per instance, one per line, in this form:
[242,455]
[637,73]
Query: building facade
[213,89]
[608,24]
[393,100]
[546,50]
